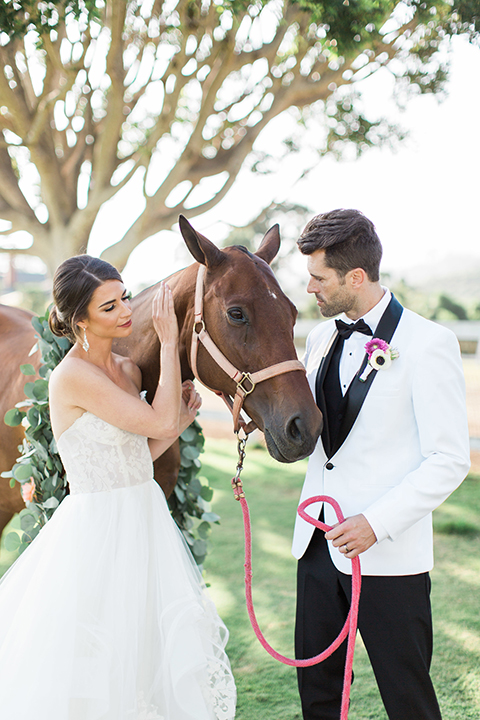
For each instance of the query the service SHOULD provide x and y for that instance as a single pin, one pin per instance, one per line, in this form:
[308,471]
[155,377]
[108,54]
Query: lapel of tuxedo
[357,391]
[319,393]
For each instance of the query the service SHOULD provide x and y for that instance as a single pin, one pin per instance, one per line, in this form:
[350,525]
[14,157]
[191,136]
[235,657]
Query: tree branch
[16,112]
[105,151]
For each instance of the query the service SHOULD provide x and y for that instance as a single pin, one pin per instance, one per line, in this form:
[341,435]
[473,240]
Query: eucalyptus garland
[42,477]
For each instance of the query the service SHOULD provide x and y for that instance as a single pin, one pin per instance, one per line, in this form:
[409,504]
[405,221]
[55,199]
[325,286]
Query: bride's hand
[163,315]
[191,403]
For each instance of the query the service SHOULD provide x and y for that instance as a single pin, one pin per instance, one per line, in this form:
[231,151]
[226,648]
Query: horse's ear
[204,251]
[270,244]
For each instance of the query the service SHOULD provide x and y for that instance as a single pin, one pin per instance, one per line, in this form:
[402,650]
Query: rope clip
[236,481]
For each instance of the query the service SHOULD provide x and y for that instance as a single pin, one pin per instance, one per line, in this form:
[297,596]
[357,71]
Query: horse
[16,340]
[250,320]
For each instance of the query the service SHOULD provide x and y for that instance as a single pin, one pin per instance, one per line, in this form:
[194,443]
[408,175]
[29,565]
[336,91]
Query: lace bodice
[100,457]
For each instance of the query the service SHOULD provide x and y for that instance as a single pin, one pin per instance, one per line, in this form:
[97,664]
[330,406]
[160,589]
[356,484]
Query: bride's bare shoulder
[70,369]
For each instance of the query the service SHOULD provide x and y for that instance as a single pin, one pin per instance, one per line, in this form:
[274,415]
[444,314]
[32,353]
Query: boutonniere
[380,356]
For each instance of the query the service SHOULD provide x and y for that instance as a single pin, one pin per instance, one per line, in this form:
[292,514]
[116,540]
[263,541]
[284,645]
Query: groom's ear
[356,278]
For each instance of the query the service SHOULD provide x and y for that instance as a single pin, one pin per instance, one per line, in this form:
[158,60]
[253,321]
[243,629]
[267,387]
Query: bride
[105,616]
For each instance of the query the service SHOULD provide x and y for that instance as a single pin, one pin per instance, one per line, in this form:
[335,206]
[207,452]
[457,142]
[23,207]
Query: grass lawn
[266,688]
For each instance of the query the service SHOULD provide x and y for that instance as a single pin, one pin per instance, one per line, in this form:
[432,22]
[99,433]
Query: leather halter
[245,381]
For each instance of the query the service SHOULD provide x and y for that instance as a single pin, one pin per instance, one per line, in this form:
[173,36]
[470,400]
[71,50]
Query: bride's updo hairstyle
[74,283]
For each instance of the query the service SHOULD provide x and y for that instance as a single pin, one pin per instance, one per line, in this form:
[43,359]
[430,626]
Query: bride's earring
[85,343]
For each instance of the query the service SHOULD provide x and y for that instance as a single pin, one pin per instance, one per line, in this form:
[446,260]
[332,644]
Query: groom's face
[333,293]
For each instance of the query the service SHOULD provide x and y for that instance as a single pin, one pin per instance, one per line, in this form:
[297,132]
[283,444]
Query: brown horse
[251,320]
[16,340]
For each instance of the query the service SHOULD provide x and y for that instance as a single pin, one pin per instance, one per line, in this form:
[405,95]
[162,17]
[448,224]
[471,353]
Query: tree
[172,95]
[452,307]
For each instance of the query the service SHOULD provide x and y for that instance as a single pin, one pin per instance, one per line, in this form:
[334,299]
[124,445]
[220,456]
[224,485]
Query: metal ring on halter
[246,376]
[198,322]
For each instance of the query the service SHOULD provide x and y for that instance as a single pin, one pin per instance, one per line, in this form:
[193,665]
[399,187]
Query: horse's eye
[236,315]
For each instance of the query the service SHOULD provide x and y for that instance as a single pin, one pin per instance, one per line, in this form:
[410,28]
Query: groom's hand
[353,536]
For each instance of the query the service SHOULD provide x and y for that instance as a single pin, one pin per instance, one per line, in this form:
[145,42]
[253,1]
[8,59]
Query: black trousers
[395,624]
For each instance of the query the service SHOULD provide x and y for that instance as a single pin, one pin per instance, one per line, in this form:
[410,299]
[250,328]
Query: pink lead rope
[350,627]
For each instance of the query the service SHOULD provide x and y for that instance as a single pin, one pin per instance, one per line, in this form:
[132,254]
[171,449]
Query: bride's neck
[99,353]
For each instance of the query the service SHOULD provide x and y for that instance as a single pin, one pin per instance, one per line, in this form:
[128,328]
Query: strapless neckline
[142,395]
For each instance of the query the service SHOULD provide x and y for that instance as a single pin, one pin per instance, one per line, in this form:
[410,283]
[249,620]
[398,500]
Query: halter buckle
[246,377]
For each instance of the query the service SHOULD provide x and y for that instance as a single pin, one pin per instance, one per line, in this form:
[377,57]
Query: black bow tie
[346,329]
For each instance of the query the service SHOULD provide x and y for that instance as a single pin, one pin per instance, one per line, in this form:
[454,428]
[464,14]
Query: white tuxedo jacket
[407,450]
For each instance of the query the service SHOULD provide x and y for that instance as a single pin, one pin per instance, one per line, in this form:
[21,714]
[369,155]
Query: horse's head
[251,321]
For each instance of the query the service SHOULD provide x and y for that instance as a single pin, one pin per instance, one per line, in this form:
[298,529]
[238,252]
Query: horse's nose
[295,429]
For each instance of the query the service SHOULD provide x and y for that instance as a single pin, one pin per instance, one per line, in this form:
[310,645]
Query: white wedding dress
[105,615]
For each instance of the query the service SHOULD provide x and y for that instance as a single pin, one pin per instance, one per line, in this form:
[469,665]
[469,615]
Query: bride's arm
[79,385]
[168,396]
[191,402]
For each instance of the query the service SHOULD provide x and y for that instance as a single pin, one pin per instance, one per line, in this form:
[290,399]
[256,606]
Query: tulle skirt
[105,617]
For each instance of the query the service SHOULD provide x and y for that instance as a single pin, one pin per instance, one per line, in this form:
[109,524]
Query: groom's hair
[349,239]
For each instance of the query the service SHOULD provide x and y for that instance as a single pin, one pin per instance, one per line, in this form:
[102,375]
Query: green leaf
[63,343]
[204,530]
[45,348]
[13,417]
[28,389]
[40,389]
[12,542]
[51,503]
[189,434]
[210,517]
[194,487]
[27,369]
[33,417]
[48,336]
[187,522]
[206,492]
[27,521]
[37,325]
[188,537]
[179,493]
[12,482]
[200,548]
[190,452]
[23,471]
[40,449]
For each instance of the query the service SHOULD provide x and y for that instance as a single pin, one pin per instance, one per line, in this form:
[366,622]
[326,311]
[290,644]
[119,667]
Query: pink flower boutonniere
[380,356]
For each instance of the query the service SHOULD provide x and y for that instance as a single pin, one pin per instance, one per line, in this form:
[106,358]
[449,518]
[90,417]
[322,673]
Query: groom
[394,446]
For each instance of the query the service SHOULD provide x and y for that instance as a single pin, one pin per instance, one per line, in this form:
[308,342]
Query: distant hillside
[458,277]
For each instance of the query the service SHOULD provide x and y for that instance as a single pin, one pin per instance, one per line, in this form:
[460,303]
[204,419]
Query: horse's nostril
[294,428]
